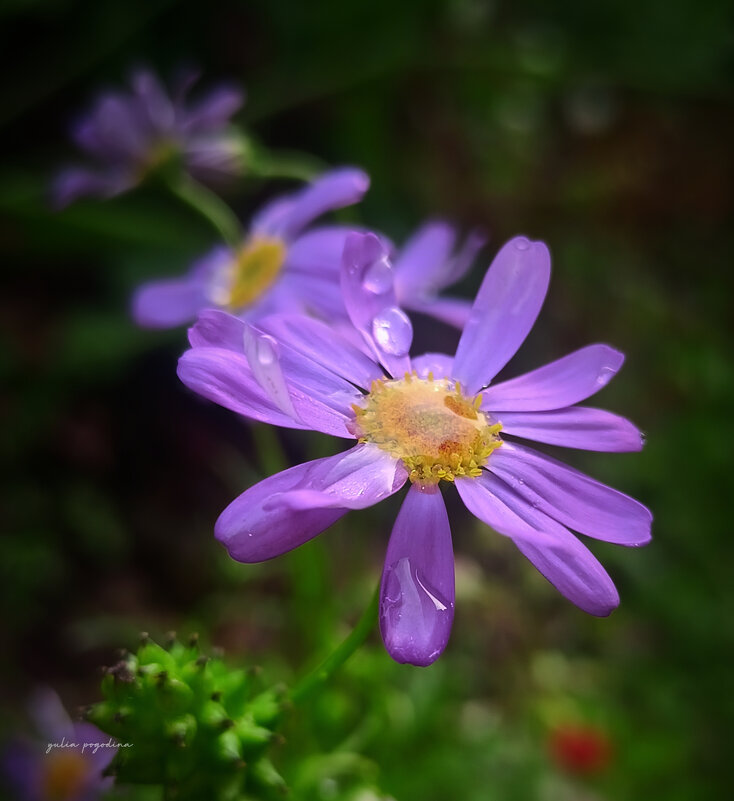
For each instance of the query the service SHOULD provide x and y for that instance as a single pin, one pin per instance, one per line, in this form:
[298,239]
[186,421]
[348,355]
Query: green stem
[269,448]
[266,163]
[317,678]
[210,206]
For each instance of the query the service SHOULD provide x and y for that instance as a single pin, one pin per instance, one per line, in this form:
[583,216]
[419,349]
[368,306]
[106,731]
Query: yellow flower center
[430,425]
[254,270]
[64,776]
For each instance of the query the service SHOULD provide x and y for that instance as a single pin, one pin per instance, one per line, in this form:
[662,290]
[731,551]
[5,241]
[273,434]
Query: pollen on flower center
[254,270]
[65,775]
[430,425]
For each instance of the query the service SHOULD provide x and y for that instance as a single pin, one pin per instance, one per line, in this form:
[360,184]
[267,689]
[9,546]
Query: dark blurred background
[603,128]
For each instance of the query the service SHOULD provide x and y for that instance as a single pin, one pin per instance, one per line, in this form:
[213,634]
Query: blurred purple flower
[65,762]
[279,267]
[430,418]
[128,135]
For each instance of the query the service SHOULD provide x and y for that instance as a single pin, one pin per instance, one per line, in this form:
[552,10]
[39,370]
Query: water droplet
[267,350]
[605,376]
[393,331]
[262,354]
[521,243]
[414,618]
[378,276]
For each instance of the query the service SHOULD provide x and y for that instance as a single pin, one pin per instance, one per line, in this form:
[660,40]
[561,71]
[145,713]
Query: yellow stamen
[64,775]
[256,266]
[435,430]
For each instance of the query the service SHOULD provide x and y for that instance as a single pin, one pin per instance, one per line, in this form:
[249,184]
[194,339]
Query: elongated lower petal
[254,527]
[561,383]
[417,592]
[575,427]
[504,311]
[358,478]
[567,564]
[572,498]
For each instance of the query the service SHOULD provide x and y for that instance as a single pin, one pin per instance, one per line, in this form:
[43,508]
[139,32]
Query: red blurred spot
[579,749]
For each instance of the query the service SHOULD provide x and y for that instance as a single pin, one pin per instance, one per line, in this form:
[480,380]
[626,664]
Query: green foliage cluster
[193,726]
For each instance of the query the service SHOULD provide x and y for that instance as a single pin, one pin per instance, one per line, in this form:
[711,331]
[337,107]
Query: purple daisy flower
[280,266]
[128,135]
[65,762]
[426,420]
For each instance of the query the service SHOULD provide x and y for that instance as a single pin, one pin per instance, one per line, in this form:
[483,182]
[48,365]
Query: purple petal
[224,377]
[281,298]
[319,296]
[504,311]
[49,716]
[463,260]
[215,328]
[76,182]
[426,264]
[362,477]
[318,251]
[369,296]
[116,130]
[574,427]
[252,533]
[21,766]
[214,110]
[213,159]
[421,264]
[322,401]
[567,564]
[452,311]
[556,385]
[321,344]
[319,394]
[154,102]
[269,220]
[169,303]
[87,733]
[572,498]
[263,356]
[439,364]
[320,398]
[315,341]
[268,520]
[417,591]
[333,190]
